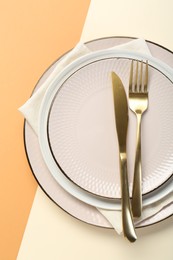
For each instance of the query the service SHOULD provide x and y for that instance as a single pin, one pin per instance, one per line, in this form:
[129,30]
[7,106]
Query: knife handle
[127,220]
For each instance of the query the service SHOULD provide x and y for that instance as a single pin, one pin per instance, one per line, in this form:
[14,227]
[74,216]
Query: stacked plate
[75,156]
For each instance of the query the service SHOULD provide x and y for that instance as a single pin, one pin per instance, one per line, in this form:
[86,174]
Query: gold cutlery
[138,103]
[121,118]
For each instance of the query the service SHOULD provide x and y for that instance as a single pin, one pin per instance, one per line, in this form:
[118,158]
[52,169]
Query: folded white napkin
[31,108]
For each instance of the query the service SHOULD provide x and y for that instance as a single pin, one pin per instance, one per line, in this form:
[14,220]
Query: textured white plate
[70,101]
[82,132]
[74,207]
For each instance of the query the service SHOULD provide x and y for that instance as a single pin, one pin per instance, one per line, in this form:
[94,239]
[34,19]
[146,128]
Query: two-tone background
[33,35]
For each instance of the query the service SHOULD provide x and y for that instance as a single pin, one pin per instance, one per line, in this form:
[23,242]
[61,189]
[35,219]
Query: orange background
[34,33]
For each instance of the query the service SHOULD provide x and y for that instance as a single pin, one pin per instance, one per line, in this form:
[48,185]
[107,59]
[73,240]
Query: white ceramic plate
[63,199]
[82,132]
[112,61]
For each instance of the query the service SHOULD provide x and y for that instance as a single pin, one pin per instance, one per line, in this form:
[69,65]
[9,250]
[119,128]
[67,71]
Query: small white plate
[63,97]
[82,132]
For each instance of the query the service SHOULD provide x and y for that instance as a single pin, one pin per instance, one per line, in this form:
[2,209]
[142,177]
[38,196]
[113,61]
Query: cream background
[53,234]
[147,19]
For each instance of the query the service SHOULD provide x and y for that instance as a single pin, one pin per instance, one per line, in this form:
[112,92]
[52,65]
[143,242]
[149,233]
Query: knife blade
[121,121]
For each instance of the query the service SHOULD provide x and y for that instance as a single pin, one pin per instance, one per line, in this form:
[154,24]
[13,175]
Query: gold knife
[121,119]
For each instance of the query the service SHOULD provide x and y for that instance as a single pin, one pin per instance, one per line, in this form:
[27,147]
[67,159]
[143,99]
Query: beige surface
[53,234]
[147,19]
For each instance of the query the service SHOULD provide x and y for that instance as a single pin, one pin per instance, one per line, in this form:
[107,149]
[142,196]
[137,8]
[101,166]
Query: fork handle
[137,180]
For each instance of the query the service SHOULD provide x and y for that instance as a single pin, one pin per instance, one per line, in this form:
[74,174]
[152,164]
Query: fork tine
[141,77]
[136,78]
[131,77]
[146,78]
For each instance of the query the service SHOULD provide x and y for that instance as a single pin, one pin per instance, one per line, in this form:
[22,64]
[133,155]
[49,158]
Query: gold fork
[138,102]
